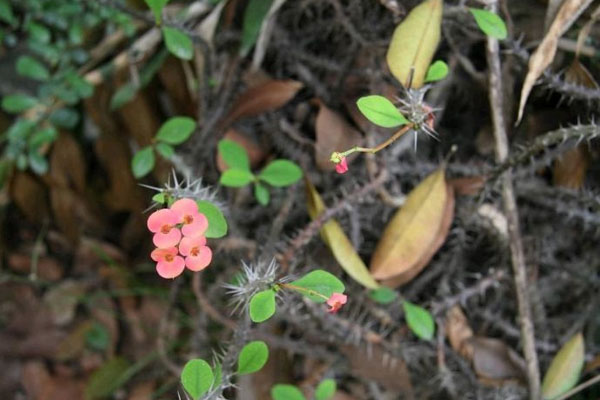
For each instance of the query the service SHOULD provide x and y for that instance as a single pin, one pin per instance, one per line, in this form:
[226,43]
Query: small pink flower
[194,223]
[342,166]
[336,301]
[169,264]
[198,255]
[163,224]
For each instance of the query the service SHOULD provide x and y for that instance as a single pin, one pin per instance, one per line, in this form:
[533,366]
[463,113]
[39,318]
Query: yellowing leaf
[544,54]
[564,369]
[415,232]
[414,43]
[341,247]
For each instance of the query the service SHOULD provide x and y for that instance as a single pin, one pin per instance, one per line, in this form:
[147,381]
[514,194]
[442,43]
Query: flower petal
[342,166]
[170,270]
[161,217]
[166,240]
[159,254]
[188,243]
[196,228]
[183,207]
[201,261]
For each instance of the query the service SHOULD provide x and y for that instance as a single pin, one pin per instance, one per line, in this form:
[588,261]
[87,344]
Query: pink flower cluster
[336,301]
[179,238]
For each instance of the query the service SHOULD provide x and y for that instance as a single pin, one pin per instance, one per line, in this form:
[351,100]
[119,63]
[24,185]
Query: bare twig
[512,216]
[207,307]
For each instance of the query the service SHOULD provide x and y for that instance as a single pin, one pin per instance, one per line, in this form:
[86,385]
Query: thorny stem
[373,150]
[512,216]
[205,305]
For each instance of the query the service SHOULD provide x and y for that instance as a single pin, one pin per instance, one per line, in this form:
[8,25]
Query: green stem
[373,150]
[302,290]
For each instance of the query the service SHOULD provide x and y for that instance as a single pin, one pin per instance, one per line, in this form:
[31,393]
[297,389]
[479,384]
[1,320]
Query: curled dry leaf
[339,244]
[569,170]
[544,54]
[564,369]
[415,232]
[459,332]
[495,362]
[268,96]
[333,133]
[414,43]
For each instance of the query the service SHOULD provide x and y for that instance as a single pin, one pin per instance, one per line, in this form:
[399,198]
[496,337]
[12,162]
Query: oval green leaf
[490,23]
[419,320]
[65,118]
[255,13]
[414,43]
[565,369]
[234,155]
[321,282]
[286,392]
[16,103]
[143,162]
[380,111]
[37,162]
[165,150]
[383,295]
[157,6]
[281,173]
[325,390]
[217,224]
[236,177]
[178,43]
[437,71]
[176,130]
[106,379]
[31,68]
[197,377]
[262,306]
[253,357]
[261,192]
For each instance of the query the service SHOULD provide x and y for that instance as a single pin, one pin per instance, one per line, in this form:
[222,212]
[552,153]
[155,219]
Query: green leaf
[419,320]
[437,71]
[236,178]
[16,103]
[123,95]
[234,155]
[261,192]
[197,377]
[262,306]
[383,295]
[6,13]
[39,33]
[281,173]
[380,111]
[65,118]
[97,337]
[217,224]
[157,6]
[106,379]
[253,357]
[491,24]
[321,282]
[565,369]
[143,162]
[325,390]
[165,150]
[218,372]
[286,392]
[37,163]
[83,88]
[160,198]
[29,67]
[19,130]
[176,130]
[42,137]
[255,13]
[178,43]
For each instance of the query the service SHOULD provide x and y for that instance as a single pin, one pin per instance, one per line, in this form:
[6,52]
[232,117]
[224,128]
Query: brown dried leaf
[262,98]
[569,170]
[62,300]
[72,346]
[47,267]
[255,152]
[142,391]
[333,133]
[459,332]
[544,54]
[30,197]
[415,232]
[468,185]
[40,385]
[495,362]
